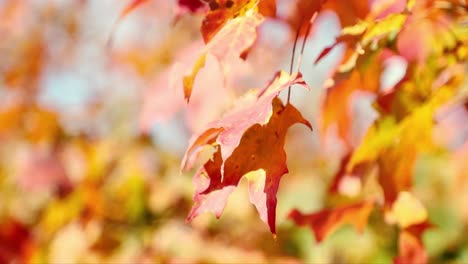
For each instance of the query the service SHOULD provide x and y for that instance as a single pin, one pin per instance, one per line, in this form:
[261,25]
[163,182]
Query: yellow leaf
[416,129]
[189,79]
[357,29]
[378,137]
[386,26]
[406,211]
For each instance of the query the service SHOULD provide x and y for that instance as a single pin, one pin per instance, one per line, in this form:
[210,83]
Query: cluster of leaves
[431,38]
[103,193]
[81,183]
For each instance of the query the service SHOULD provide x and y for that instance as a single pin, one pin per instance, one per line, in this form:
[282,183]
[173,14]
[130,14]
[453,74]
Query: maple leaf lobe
[261,148]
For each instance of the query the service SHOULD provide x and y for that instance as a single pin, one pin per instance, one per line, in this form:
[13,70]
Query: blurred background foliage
[81,181]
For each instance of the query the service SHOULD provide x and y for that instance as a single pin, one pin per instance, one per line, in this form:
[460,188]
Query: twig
[293,55]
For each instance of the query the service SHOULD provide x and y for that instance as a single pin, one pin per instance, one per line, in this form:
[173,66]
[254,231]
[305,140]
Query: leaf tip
[188,84]
[307,123]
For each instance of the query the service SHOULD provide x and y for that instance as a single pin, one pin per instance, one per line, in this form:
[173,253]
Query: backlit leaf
[261,153]
[410,245]
[236,37]
[255,108]
[336,108]
[407,210]
[222,11]
[325,222]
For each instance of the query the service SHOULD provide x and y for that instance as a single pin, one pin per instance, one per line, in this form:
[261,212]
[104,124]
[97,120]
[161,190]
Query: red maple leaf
[261,150]
[249,139]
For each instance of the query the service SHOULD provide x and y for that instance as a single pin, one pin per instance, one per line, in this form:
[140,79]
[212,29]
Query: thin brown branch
[293,55]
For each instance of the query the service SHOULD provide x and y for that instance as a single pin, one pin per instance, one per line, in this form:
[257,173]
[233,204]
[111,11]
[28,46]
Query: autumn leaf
[267,8]
[395,172]
[411,250]
[260,157]
[395,147]
[385,27]
[343,177]
[379,136]
[325,222]
[410,246]
[336,105]
[348,40]
[406,211]
[245,139]
[222,11]
[16,243]
[10,118]
[303,12]
[164,98]
[254,108]
[349,12]
[190,79]
[423,36]
[358,37]
[75,185]
[236,37]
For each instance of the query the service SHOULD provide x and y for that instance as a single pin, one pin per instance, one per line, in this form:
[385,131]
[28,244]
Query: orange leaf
[246,139]
[395,173]
[261,155]
[222,11]
[325,222]
[10,119]
[267,8]
[303,13]
[336,106]
[349,12]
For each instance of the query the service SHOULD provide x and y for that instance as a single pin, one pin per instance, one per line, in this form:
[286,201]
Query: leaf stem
[291,65]
[301,53]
